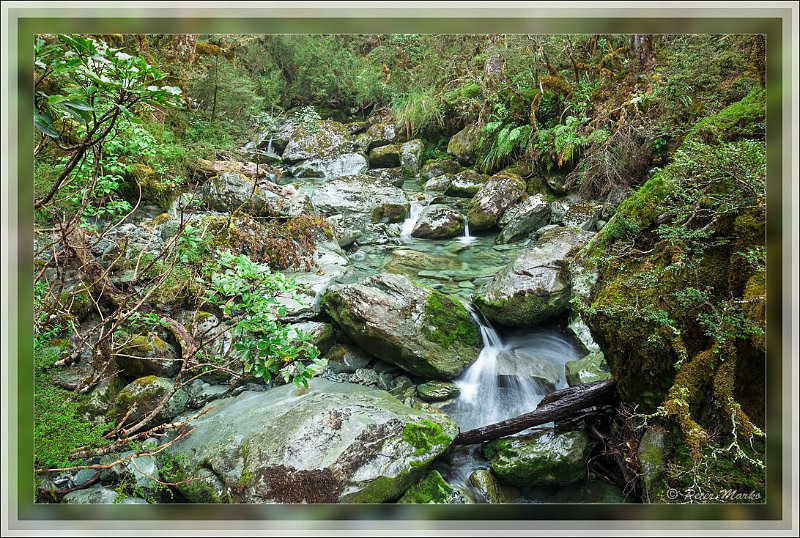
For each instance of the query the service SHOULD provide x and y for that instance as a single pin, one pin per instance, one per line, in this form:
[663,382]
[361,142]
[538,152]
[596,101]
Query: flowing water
[416,207]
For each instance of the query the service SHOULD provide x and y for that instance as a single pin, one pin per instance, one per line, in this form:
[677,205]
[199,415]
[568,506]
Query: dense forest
[300,268]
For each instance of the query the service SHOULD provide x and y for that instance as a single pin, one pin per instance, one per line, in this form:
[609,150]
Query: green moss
[424,436]
[153,186]
[448,322]
[743,119]
[431,489]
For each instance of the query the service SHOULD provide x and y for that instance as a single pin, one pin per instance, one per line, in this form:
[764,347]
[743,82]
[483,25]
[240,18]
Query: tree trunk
[555,406]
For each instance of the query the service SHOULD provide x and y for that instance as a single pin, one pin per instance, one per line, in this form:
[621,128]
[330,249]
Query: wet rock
[332,442]
[437,391]
[438,221]
[347,164]
[536,285]
[393,176]
[365,376]
[557,183]
[492,199]
[583,215]
[559,208]
[231,191]
[464,144]
[422,331]
[362,198]
[523,219]
[432,490]
[593,367]
[485,487]
[541,459]
[412,262]
[521,364]
[99,495]
[578,328]
[438,184]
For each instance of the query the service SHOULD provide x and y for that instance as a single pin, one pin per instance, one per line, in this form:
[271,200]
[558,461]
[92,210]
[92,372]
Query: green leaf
[44,123]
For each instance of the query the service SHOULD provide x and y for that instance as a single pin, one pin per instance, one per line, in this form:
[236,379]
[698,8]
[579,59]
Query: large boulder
[410,262]
[545,458]
[362,197]
[422,331]
[231,191]
[330,443]
[593,367]
[465,184]
[385,156]
[347,164]
[464,144]
[523,219]
[438,221]
[376,135]
[329,139]
[438,184]
[144,395]
[583,215]
[521,365]
[536,285]
[411,157]
[492,199]
[389,175]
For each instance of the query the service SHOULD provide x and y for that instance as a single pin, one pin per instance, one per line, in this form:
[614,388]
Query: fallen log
[555,406]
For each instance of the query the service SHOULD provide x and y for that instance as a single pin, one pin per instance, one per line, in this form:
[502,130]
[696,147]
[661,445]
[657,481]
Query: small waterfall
[413,216]
[269,145]
[466,239]
[505,380]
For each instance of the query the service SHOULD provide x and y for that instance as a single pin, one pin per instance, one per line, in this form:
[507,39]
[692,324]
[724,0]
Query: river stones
[464,144]
[524,218]
[422,331]
[385,156]
[332,442]
[432,490]
[389,175]
[232,191]
[362,198]
[492,199]
[405,261]
[465,184]
[439,168]
[546,458]
[485,487]
[141,355]
[376,135]
[411,157]
[521,364]
[343,358]
[536,285]
[438,221]
[143,395]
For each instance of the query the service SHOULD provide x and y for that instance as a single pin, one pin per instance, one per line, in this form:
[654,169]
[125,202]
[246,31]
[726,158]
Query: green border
[772,27]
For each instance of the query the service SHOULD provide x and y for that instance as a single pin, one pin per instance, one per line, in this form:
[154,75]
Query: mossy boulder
[385,156]
[464,145]
[330,443]
[154,187]
[101,399]
[492,199]
[411,157]
[141,355]
[432,490]
[346,164]
[328,140]
[535,286]
[344,358]
[393,176]
[593,367]
[231,191]
[422,331]
[144,395]
[546,458]
[377,135]
[523,219]
[362,198]
[465,184]
[438,221]
[651,456]
[583,215]
[433,169]
[486,488]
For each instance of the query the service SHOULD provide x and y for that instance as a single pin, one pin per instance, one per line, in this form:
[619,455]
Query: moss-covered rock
[652,464]
[432,490]
[142,396]
[385,156]
[485,487]
[437,391]
[154,187]
[422,331]
[141,355]
[465,184]
[464,145]
[329,139]
[541,459]
[438,221]
[362,198]
[411,157]
[524,218]
[433,169]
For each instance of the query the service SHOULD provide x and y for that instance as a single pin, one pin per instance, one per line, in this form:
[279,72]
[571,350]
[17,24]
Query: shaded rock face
[519,364]
[330,139]
[411,157]
[362,197]
[536,285]
[651,456]
[492,199]
[541,459]
[231,191]
[422,331]
[347,164]
[332,442]
[439,168]
[344,359]
[143,355]
[523,219]
[485,487]
[438,221]
[464,144]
